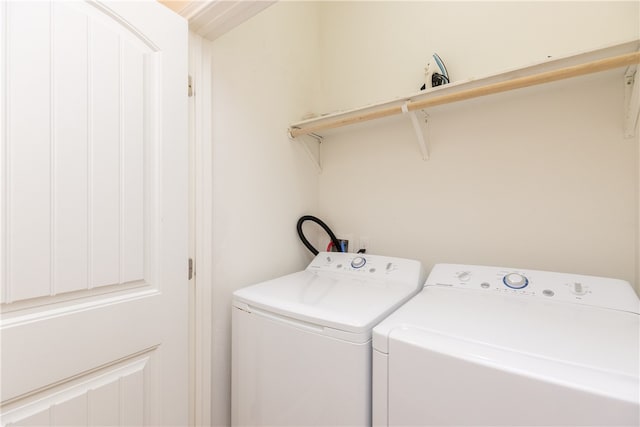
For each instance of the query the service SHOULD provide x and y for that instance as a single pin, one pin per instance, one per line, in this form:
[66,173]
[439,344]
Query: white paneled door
[93,186]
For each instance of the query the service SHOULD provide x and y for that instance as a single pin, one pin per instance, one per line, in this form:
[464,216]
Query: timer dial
[358,262]
[515,280]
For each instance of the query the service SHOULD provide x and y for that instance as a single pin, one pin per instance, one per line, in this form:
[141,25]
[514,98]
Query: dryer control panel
[369,266]
[563,287]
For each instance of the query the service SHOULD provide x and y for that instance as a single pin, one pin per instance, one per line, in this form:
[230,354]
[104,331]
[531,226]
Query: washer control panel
[368,266]
[562,287]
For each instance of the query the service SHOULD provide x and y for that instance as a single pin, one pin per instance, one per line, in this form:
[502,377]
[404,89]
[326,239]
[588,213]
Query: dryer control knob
[358,262]
[463,276]
[578,289]
[515,280]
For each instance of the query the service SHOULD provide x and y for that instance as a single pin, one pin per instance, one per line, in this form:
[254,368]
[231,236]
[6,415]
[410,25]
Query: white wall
[376,50]
[538,178]
[265,73]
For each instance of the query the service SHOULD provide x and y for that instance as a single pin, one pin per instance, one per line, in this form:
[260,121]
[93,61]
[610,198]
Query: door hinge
[191,269]
[190,86]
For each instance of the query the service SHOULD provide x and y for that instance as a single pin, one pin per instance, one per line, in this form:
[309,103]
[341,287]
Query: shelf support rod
[631,101]
[420,128]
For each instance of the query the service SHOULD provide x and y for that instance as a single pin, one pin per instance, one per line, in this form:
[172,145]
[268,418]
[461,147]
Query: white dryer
[301,344]
[500,346]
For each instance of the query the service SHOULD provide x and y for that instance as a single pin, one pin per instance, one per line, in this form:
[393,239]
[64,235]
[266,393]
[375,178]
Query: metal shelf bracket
[420,128]
[303,141]
[631,101]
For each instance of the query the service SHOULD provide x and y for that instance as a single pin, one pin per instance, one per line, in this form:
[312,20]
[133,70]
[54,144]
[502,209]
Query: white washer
[301,351]
[500,346]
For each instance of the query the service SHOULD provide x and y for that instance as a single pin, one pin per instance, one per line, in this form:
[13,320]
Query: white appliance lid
[333,293]
[593,348]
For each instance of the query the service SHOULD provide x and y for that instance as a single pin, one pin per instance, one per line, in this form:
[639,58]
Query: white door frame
[225,15]
[201,226]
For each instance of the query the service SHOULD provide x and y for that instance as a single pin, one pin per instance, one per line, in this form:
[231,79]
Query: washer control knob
[358,262]
[578,289]
[463,276]
[515,280]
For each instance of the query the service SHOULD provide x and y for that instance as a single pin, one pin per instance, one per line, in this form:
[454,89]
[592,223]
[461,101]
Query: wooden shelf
[616,56]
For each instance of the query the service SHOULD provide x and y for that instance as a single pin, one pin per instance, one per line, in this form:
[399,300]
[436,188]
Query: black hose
[318,221]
